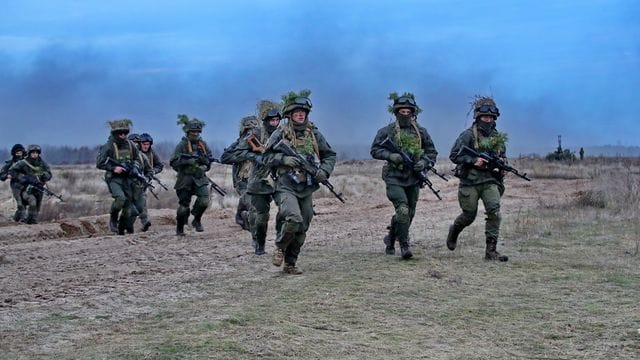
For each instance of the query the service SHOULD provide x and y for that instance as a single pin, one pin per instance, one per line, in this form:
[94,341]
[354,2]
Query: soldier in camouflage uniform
[294,187]
[261,187]
[29,170]
[139,198]
[476,181]
[191,160]
[17,154]
[401,182]
[119,178]
[240,155]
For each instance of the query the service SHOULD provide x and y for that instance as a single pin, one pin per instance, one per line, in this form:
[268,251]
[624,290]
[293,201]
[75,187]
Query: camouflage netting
[264,106]
[288,100]
[394,97]
[121,124]
[479,100]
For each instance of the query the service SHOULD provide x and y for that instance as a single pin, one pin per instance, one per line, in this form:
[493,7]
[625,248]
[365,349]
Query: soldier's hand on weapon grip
[395,158]
[119,170]
[419,166]
[321,176]
[480,162]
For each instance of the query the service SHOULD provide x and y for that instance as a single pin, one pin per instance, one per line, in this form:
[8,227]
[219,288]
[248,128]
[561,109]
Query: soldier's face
[19,154]
[145,146]
[487,118]
[34,154]
[274,121]
[404,111]
[298,116]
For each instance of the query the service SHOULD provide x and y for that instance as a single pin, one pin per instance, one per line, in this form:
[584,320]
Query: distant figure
[139,189]
[17,154]
[402,181]
[239,155]
[120,159]
[581,154]
[476,181]
[31,171]
[191,160]
[156,166]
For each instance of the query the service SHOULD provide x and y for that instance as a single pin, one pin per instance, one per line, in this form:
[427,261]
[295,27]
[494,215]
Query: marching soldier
[17,154]
[30,172]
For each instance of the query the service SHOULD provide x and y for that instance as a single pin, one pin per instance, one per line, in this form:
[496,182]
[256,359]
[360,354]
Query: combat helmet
[34,148]
[120,126]
[134,137]
[406,101]
[189,125]
[15,148]
[268,109]
[484,105]
[293,100]
[248,123]
[144,137]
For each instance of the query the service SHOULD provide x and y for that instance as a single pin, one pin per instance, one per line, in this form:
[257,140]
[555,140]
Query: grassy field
[570,290]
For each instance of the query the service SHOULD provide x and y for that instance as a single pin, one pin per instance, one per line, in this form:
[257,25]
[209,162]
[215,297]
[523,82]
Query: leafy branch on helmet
[291,96]
[189,123]
[394,97]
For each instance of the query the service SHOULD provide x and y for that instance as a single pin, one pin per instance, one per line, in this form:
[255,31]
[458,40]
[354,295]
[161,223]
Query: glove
[321,176]
[395,158]
[419,166]
[291,161]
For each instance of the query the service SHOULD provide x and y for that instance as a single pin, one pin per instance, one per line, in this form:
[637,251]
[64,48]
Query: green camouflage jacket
[125,152]
[29,169]
[399,174]
[240,155]
[470,175]
[191,160]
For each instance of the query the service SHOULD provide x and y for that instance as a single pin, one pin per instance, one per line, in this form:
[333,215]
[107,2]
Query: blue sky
[554,67]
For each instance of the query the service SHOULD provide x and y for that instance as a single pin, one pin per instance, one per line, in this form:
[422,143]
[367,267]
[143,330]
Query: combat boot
[113,223]
[146,226]
[259,247]
[390,240]
[239,218]
[18,216]
[491,253]
[197,224]
[452,238]
[277,257]
[122,225]
[31,219]
[291,269]
[405,250]
[180,220]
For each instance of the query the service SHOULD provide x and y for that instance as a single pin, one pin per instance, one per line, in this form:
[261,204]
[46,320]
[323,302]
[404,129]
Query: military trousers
[404,199]
[16,191]
[139,202]
[468,197]
[184,200]
[259,216]
[294,215]
[121,189]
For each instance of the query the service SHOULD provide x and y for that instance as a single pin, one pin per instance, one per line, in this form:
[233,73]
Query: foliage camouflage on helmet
[120,125]
[190,124]
[398,102]
[145,137]
[290,101]
[480,100]
[248,123]
[15,148]
[33,147]
[265,107]
[496,143]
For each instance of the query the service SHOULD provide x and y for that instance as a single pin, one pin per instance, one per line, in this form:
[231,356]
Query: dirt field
[571,288]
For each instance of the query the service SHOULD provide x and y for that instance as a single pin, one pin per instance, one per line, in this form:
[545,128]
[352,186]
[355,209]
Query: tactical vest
[123,154]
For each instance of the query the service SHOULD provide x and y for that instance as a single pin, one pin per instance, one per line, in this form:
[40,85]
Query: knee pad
[183,211]
[202,202]
[494,216]
[289,227]
[402,214]
[467,217]
[119,202]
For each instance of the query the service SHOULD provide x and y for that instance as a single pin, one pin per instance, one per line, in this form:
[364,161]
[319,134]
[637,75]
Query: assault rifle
[409,162]
[493,161]
[134,172]
[216,187]
[308,167]
[153,177]
[34,184]
[197,156]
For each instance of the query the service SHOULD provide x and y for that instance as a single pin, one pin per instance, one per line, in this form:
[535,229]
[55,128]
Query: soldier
[261,187]
[476,181]
[401,181]
[581,153]
[120,159]
[139,196]
[240,155]
[294,187]
[29,172]
[191,160]
[155,167]
[17,154]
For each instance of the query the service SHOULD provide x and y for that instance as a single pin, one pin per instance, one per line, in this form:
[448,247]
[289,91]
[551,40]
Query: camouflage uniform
[152,165]
[20,214]
[191,160]
[123,151]
[31,170]
[402,184]
[240,155]
[294,188]
[261,188]
[478,183]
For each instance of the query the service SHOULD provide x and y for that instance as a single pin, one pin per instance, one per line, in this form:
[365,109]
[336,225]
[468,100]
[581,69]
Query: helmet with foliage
[292,101]
[190,124]
[406,101]
[484,105]
[144,137]
[248,123]
[134,137]
[34,148]
[268,109]
[15,148]
[120,126]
